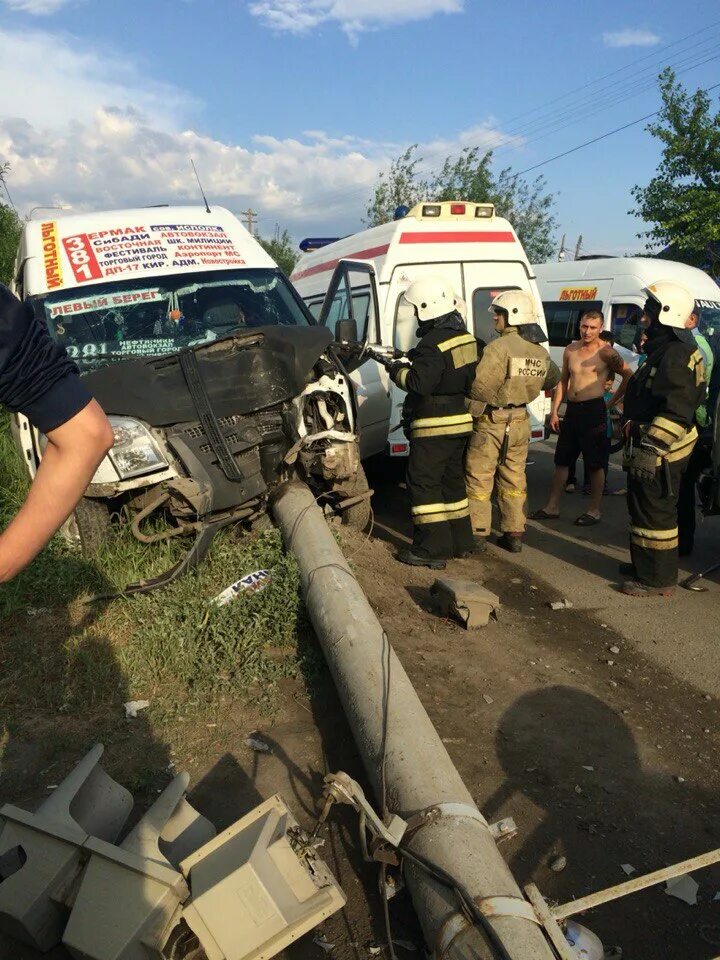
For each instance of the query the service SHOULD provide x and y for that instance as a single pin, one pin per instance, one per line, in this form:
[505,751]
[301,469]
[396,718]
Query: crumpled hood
[242,373]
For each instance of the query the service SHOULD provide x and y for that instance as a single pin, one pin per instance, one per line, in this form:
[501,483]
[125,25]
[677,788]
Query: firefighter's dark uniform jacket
[661,400]
[438,382]
[438,425]
[37,378]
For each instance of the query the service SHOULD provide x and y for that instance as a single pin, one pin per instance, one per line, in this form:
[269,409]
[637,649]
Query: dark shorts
[583,431]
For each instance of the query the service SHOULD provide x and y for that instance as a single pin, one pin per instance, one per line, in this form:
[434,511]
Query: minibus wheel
[358,515]
[93,524]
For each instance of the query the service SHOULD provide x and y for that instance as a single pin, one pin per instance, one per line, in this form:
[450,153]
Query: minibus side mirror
[346,331]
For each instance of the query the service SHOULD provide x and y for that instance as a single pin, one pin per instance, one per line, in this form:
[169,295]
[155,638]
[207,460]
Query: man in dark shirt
[38,379]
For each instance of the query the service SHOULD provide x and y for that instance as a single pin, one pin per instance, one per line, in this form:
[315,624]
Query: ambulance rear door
[404,332]
[483,282]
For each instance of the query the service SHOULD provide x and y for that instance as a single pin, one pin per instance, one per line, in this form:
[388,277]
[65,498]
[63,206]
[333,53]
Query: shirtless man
[587,364]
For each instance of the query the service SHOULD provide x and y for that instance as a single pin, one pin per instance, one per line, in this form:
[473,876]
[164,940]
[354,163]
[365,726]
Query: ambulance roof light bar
[453,210]
[315,243]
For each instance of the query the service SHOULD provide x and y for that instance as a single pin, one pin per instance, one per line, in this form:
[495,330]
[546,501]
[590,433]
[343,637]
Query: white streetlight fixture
[63,207]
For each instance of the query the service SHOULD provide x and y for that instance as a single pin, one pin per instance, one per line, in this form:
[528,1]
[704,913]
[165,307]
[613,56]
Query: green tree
[469,176]
[282,249]
[682,201]
[10,230]
[400,185]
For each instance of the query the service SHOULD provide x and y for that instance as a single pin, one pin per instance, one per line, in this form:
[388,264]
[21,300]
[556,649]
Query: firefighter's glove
[642,465]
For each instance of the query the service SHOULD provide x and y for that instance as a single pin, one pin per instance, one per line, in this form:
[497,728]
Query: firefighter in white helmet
[513,370]
[660,404]
[437,424]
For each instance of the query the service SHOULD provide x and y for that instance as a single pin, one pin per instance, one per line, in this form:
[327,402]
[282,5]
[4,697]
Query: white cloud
[38,8]
[354,16]
[630,38]
[55,79]
[96,144]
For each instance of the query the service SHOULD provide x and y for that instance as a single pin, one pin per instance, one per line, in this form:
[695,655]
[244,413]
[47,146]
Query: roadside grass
[69,665]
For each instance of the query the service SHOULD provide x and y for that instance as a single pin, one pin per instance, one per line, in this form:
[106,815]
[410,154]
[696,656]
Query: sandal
[542,514]
[587,520]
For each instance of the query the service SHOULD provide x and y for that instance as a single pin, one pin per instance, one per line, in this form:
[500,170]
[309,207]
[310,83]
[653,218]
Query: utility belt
[645,463]
[486,412]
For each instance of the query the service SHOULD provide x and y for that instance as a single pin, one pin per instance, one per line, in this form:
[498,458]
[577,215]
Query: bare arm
[71,457]
[618,368]
[560,392]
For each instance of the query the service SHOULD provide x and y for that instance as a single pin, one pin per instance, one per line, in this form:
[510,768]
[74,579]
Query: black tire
[358,515]
[92,518]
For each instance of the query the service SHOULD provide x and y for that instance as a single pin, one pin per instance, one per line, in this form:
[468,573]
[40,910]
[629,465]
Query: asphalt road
[682,633]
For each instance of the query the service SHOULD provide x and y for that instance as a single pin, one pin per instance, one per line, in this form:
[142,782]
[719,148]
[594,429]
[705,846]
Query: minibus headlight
[135,451]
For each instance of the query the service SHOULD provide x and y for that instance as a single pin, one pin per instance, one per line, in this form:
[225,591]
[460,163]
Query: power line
[603,136]
[4,183]
[338,195]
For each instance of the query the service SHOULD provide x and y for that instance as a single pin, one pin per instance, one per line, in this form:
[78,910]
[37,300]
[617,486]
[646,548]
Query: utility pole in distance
[250,218]
[578,246]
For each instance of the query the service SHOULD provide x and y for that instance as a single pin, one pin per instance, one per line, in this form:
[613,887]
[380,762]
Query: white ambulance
[362,278]
[614,285]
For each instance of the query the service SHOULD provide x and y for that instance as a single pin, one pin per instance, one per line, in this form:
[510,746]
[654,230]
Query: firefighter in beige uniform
[513,370]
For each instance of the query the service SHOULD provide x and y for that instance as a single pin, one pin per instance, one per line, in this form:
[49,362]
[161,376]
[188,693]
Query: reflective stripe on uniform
[440,512]
[509,493]
[458,430]
[450,426]
[463,350]
[666,431]
[654,539]
[402,377]
[684,448]
[481,497]
[441,421]
[434,507]
[456,342]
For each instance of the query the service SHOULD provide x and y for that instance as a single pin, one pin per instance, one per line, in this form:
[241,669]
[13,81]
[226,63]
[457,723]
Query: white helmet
[432,297]
[519,306]
[676,302]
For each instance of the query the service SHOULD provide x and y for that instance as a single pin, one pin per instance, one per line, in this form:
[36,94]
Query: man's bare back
[589,367]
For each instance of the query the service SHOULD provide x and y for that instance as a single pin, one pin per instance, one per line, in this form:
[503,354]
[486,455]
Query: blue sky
[293,106]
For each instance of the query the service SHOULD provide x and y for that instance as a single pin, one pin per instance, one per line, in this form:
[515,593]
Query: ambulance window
[315,306]
[626,323]
[483,323]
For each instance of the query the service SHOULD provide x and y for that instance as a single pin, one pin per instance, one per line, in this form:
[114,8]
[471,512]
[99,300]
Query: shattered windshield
[145,318]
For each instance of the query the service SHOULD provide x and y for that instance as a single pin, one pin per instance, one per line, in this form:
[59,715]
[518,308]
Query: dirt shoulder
[605,763]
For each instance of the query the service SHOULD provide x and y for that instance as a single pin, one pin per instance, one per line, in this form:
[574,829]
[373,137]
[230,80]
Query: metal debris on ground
[374,949]
[466,601]
[256,743]
[627,868]
[560,604]
[558,864]
[487,698]
[133,707]
[251,583]
[614,649]
[320,941]
[683,888]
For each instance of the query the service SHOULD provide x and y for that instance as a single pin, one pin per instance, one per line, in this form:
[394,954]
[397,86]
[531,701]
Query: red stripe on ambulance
[331,264]
[459,236]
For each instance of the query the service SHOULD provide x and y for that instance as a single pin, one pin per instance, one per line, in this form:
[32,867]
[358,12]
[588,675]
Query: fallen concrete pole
[419,774]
